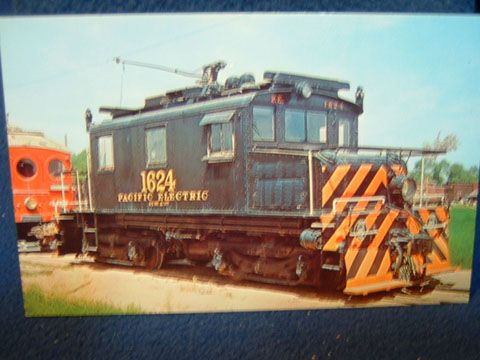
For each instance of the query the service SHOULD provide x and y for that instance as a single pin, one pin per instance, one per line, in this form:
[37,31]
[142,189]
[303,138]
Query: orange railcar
[42,186]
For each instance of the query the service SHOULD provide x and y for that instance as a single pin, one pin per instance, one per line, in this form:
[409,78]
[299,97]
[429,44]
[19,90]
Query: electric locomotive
[42,187]
[261,180]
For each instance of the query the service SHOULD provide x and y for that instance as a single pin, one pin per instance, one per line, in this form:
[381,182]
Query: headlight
[403,187]
[31,203]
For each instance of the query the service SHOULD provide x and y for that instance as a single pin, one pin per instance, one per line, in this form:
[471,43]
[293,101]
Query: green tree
[79,162]
[473,173]
[442,172]
[435,171]
[458,174]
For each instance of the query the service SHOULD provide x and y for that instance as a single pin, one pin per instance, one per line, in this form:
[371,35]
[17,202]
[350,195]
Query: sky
[420,73]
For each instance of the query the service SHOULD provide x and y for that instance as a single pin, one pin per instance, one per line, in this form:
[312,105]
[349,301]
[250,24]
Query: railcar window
[221,137]
[216,137]
[105,152]
[227,136]
[156,143]
[294,125]
[263,125]
[343,132]
[26,168]
[55,167]
[316,127]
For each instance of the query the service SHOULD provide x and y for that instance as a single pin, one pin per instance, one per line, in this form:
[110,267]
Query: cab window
[55,168]
[316,127]
[343,132]
[295,125]
[301,126]
[220,141]
[263,125]
[156,146]
[221,138]
[105,153]
[26,168]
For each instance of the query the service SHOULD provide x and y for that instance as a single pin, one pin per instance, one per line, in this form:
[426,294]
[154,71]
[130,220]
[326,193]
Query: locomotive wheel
[154,257]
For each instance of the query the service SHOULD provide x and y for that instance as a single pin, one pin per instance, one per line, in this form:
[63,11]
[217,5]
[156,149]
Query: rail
[357,199]
[428,200]
[78,183]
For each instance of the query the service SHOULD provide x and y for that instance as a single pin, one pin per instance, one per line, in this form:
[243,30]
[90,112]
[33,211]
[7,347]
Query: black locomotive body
[261,181]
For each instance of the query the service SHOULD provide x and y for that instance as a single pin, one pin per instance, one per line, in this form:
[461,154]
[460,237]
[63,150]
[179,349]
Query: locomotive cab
[300,112]
[292,123]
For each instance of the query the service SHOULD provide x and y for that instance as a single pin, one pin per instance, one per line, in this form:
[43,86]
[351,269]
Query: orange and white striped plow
[368,261]
[367,258]
[435,221]
[356,197]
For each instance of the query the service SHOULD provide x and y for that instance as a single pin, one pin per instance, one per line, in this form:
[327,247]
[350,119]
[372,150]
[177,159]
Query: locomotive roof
[213,97]
[222,103]
[32,139]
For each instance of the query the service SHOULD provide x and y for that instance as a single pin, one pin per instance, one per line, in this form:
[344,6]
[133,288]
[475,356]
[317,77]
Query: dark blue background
[425,332]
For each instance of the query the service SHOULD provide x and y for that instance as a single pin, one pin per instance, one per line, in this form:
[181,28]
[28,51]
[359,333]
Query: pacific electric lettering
[158,188]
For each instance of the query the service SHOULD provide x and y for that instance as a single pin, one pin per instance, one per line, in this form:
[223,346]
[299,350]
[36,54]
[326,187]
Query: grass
[37,303]
[461,235]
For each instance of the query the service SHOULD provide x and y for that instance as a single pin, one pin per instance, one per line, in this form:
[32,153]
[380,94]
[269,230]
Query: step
[65,217]
[376,287]
[25,246]
[117,262]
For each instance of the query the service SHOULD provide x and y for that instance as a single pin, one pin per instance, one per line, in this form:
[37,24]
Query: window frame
[49,162]
[306,112]
[348,122]
[161,164]
[31,162]
[305,135]
[105,169]
[222,152]
[274,136]
[324,113]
